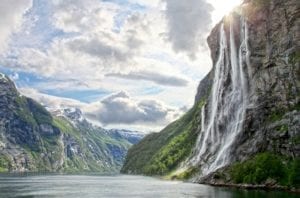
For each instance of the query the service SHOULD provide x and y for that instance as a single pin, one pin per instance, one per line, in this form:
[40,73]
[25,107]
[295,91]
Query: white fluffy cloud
[84,16]
[116,109]
[103,41]
[189,22]
[120,108]
[11,18]
[51,102]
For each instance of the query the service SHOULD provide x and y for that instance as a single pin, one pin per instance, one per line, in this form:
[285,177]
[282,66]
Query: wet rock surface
[272,117]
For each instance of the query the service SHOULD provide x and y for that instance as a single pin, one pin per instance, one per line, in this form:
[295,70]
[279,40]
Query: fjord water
[71,186]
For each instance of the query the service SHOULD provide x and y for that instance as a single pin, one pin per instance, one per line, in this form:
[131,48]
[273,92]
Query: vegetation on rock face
[40,114]
[276,115]
[75,150]
[261,3]
[23,111]
[172,154]
[266,166]
[294,173]
[187,174]
[84,138]
[4,163]
[160,153]
[32,112]
[67,128]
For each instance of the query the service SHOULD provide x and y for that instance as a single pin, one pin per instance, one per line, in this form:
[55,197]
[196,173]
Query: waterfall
[224,113]
[202,118]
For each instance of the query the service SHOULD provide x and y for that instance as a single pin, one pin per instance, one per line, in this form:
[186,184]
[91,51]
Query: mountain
[33,139]
[131,136]
[245,123]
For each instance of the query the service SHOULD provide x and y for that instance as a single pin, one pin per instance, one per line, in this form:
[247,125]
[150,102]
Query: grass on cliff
[23,111]
[160,153]
[4,163]
[261,3]
[266,166]
[88,138]
[66,127]
[40,114]
[32,112]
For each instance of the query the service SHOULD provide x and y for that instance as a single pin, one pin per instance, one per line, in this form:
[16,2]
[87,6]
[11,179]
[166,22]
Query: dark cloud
[157,78]
[189,22]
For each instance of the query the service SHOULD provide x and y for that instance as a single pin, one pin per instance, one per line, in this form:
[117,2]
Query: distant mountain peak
[73,114]
[3,78]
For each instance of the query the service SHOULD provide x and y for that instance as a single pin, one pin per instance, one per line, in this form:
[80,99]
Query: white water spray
[226,109]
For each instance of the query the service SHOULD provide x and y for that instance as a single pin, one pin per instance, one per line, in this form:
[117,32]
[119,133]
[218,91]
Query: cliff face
[250,99]
[272,119]
[23,126]
[254,102]
[31,139]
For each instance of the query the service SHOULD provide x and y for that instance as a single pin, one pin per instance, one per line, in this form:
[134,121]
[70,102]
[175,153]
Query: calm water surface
[70,186]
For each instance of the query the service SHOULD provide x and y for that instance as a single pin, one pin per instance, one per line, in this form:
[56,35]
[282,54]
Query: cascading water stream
[224,113]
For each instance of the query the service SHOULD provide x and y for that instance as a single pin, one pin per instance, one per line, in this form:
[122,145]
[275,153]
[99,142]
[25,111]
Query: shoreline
[263,187]
[24,174]
[255,187]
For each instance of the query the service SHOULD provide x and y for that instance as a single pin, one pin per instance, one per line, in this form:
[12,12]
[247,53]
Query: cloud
[120,108]
[92,51]
[51,102]
[158,78]
[189,23]
[97,48]
[151,3]
[81,57]
[90,48]
[116,109]
[84,16]
[11,18]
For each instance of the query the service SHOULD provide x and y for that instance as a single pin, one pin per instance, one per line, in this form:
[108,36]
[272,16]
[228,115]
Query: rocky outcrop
[23,126]
[204,87]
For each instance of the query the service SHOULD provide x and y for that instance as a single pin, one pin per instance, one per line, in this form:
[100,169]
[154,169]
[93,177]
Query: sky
[132,64]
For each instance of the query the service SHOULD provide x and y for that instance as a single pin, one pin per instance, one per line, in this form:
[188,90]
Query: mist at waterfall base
[223,115]
[72,186]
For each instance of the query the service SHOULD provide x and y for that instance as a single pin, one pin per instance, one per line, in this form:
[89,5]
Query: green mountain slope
[31,139]
[160,153]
